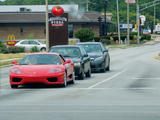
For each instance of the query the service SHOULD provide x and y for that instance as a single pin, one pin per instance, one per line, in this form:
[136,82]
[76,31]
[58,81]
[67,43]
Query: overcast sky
[2,0]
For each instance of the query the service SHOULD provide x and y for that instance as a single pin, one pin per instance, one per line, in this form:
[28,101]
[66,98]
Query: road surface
[130,91]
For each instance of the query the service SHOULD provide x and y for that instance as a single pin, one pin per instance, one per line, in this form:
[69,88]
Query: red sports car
[47,68]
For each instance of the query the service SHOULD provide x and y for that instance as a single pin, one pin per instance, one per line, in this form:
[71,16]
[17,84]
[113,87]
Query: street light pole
[47,28]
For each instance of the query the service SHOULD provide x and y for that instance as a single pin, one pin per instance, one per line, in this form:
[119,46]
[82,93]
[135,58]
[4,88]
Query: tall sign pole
[47,28]
[119,36]
[128,30]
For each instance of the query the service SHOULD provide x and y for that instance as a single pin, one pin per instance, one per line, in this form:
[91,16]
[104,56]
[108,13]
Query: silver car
[29,44]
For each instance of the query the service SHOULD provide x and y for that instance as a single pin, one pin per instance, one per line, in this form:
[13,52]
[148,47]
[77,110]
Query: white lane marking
[145,78]
[108,79]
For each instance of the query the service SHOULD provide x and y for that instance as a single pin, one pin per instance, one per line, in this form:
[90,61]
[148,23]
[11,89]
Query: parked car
[29,44]
[100,59]
[47,68]
[78,56]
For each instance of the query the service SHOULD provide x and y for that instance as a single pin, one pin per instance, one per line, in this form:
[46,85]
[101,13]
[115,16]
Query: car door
[68,66]
[106,54]
[33,43]
[86,60]
[24,44]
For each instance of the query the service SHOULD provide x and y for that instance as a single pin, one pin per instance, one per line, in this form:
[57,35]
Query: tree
[84,34]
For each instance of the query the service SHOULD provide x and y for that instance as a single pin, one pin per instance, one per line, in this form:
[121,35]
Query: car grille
[16,79]
[52,79]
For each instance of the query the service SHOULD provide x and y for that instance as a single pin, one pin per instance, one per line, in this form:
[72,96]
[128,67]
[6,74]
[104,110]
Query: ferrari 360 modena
[45,68]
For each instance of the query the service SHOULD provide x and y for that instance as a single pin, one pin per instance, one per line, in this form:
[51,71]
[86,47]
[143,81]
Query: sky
[2,0]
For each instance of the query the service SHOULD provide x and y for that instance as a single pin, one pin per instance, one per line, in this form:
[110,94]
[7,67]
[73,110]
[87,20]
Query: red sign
[11,40]
[57,11]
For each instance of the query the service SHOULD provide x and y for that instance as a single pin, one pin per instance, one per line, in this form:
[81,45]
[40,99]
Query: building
[29,21]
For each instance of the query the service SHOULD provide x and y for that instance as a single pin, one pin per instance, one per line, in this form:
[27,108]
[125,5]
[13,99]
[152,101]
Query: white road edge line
[108,79]
[145,78]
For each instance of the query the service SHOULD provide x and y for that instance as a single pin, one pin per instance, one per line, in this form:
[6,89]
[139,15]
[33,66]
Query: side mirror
[14,62]
[67,61]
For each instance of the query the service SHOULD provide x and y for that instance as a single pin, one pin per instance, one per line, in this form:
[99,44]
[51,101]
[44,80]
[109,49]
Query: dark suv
[78,55]
[100,59]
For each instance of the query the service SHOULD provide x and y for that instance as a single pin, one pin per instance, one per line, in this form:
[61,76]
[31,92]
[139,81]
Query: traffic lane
[84,112]
[82,97]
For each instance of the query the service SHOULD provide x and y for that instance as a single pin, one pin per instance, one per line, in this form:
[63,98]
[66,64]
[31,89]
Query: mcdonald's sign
[11,40]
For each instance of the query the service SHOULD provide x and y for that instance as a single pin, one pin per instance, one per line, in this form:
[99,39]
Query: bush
[2,44]
[35,49]
[84,35]
[12,50]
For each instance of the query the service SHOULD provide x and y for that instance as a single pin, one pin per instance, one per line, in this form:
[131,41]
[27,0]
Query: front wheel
[81,75]
[14,86]
[88,74]
[65,80]
[73,78]
[43,49]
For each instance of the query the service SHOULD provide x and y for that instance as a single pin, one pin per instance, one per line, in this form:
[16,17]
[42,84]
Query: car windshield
[91,48]
[67,51]
[40,59]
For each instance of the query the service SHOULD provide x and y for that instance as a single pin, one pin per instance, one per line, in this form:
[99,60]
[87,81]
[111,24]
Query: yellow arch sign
[11,41]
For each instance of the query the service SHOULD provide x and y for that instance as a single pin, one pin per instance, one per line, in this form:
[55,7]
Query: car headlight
[55,70]
[15,70]
[77,64]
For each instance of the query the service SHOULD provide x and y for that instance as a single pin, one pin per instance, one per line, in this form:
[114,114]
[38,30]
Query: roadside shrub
[2,44]
[6,50]
[84,35]
[96,39]
[35,49]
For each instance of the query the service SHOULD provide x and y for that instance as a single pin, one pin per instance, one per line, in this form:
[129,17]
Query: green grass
[11,56]
[7,62]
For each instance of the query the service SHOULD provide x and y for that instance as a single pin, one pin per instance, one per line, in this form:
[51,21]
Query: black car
[82,62]
[100,59]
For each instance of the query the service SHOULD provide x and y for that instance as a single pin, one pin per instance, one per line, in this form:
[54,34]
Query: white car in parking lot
[29,44]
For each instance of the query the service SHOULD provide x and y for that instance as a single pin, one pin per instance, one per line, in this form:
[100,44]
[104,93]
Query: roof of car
[89,43]
[65,46]
[43,53]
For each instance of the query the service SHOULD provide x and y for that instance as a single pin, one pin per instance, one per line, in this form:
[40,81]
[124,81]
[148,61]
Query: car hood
[95,55]
[39,69]
[74,60]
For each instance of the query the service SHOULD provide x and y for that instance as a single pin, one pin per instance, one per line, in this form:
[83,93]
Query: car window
[67,51]
[83,51]
[33,43]
[24,42]
[91,48]
[41,59]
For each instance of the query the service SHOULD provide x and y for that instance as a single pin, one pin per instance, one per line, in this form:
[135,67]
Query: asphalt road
[130,91]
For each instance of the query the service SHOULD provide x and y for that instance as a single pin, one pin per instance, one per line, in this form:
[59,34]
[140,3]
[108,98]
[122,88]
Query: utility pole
[154,14]
[47,28]
[138,23]
[128,30]
[119,34]
[105,21]
[87,5]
